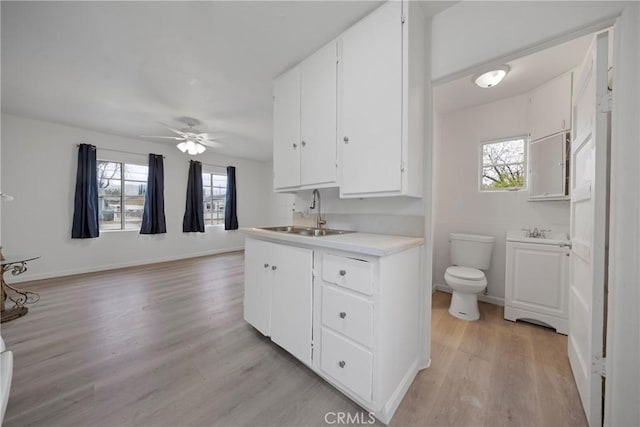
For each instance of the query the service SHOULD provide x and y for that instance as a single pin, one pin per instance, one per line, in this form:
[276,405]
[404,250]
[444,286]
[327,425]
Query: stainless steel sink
[306,231]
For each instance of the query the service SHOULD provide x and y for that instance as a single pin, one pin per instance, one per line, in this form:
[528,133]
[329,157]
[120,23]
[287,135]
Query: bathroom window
[503,164]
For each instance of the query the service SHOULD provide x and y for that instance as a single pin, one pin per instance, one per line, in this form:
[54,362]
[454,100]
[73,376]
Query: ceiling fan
[191,141]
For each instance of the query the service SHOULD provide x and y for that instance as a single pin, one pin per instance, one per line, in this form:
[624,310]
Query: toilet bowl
[466,283]
[470,253]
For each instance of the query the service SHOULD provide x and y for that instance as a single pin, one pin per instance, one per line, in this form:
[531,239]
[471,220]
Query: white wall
[460,207]
[38,169]
[471,33]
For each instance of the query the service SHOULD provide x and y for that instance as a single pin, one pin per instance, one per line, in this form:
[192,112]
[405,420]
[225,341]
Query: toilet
[470,253]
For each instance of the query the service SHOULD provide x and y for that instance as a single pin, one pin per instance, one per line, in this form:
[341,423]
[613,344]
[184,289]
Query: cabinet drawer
[347,363]
[348,272]
[348,314]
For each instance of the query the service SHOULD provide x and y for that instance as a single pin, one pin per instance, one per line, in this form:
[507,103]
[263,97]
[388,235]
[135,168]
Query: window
[214,192]
[503,164]
[121,190]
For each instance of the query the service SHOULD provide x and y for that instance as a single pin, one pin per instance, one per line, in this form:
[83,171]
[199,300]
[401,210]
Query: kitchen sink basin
[306,231]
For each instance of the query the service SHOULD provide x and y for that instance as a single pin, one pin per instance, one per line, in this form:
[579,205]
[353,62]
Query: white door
[318,112]
[588,228]
[291,310]
[371,103]
[286,130]
[257,284]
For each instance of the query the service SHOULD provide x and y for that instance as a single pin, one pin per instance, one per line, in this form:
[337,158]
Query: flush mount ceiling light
[490,78]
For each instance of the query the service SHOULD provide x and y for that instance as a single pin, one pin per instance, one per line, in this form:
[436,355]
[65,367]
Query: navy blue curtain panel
[230,208]
[153,219]
[85,205]
[194,212]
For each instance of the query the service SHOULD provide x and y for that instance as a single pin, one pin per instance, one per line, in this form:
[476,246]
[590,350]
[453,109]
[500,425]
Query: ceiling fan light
[182,147]
[200,148]
[491,78]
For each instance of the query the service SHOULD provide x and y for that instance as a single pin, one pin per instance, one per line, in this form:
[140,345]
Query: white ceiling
[121,67]
[526,73]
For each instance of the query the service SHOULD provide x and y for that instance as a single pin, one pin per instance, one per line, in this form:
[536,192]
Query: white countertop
[553,238]
[364,243]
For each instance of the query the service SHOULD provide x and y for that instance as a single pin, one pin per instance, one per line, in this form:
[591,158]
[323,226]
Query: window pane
[109,212]
[503,152]
[136,172]
[135,189]
[133,207]
[108,179]
[206,193]
[219,191]
[206,179]
[503,176]
[219,180]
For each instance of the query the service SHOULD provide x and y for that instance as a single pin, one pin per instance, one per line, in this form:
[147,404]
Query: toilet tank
[471,250]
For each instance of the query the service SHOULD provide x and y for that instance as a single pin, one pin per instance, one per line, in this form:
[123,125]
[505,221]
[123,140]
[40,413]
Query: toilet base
[464,306]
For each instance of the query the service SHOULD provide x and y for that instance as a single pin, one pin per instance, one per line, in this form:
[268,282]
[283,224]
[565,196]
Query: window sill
[213,226]
[126,230]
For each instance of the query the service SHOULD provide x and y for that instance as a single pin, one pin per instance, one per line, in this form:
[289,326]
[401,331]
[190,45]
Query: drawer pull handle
[342,363]
[343,314]
[346,139]
[266,266]
[343,272]
[273,267]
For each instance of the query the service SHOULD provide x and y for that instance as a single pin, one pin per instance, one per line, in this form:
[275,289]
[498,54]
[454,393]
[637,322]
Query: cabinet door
[286,130]
[371,103]
[257,284]
[537,278]
[318,112]
[550,107]
[291,310]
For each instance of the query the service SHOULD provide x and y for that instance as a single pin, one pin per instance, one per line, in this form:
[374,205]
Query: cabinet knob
[266,266]
[295,145]
[346,139]
[343,314]
[273,267]
[304,143]
[342,363]
[343,272]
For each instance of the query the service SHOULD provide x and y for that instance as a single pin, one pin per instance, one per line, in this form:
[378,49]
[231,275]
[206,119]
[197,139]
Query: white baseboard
[481,297]
[95,269]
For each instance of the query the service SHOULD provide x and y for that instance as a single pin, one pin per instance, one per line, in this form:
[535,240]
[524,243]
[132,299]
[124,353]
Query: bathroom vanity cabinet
[537,282]
[350,307]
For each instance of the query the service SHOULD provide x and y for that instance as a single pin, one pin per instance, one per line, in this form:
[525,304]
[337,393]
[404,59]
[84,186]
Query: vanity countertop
[364,243]
[552,238]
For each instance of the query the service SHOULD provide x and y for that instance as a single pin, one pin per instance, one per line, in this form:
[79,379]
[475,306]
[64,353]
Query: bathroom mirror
[549,168]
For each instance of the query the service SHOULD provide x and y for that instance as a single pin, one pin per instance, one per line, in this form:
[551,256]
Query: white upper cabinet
[319,104]
[381,102]
[286,130]
[550,107]
[304,129]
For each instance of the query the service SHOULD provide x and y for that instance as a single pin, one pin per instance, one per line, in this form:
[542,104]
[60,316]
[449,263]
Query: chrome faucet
[536,233]
[320,222]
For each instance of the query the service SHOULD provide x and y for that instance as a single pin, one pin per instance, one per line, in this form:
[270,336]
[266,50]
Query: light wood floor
[166,345]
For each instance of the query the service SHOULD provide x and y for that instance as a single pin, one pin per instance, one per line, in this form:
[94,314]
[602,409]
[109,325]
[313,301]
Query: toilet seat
[465,273]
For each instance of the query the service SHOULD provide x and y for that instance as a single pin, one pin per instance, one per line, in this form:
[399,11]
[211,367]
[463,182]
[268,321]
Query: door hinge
[313,273]
[599,366]
[402,19]
[605,102]
[402,166]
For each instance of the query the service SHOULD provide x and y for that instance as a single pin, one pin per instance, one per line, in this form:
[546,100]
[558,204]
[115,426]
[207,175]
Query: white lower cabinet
[536,284]
[278,294]
[353,318]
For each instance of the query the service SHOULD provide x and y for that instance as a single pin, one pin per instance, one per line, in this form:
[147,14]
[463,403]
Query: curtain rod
[119,151]
[211,164]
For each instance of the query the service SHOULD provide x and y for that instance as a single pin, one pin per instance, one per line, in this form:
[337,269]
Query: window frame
[525,161]
[122,165]
[210,174]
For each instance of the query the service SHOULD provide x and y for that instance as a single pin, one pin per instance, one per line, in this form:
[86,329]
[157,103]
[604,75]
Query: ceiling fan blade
[213,144]
[179,132]
[177,138]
